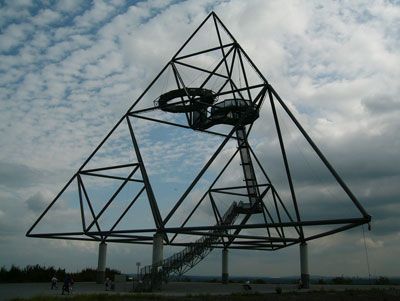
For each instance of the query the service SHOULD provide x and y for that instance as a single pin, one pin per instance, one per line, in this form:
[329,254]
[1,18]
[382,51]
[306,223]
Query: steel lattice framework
[235,103]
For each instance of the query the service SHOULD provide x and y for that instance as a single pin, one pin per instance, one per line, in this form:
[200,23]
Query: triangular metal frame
[274,238]
[93,231]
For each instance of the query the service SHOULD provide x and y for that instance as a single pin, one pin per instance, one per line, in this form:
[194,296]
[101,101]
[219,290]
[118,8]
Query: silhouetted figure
[67,285]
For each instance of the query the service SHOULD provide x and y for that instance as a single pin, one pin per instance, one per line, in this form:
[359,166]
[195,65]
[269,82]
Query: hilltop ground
[87,291]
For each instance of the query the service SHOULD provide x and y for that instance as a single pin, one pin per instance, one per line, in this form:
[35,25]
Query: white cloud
[13,36]
[372,243]
[63,87]
[46,17]
[38,202]
[98,13]
[71,6]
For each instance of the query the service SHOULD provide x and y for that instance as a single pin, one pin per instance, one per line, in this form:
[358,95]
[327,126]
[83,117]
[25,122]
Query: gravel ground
[186,289]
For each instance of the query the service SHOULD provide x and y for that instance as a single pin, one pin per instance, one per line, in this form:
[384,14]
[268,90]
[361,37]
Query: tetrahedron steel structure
[209,90]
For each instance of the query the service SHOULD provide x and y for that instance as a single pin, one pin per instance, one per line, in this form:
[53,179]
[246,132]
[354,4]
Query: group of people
[68,283]
[67,286]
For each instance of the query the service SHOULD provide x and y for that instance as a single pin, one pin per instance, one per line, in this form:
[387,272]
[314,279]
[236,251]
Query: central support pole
[157,261]
[101,266]
[225,263]
[248,169]
[305,276]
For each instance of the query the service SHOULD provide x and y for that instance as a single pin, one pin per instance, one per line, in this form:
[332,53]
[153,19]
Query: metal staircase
[248,171]
[151,276]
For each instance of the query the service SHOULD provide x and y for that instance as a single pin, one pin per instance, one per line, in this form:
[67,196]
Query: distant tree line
[342,280]
[324,281]
[38,273]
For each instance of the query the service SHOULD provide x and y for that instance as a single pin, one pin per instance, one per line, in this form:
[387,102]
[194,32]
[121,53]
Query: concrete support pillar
[305,275]
[157,248]
[156,279]
[101,266]
[225,273]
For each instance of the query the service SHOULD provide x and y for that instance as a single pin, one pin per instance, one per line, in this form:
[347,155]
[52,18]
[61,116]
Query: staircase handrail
[202,243]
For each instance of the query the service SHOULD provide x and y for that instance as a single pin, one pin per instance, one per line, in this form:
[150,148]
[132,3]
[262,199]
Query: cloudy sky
[71,69]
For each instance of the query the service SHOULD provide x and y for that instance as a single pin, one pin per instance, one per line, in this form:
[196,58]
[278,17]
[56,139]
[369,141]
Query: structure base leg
[101,266]
[100,277]
[156,279]
[225,274]
[305,275]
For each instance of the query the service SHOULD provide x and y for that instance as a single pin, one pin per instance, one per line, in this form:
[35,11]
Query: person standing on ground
[66,286]
[71,284]
[247,285]
[54,282]
[300,285]
[107,282]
